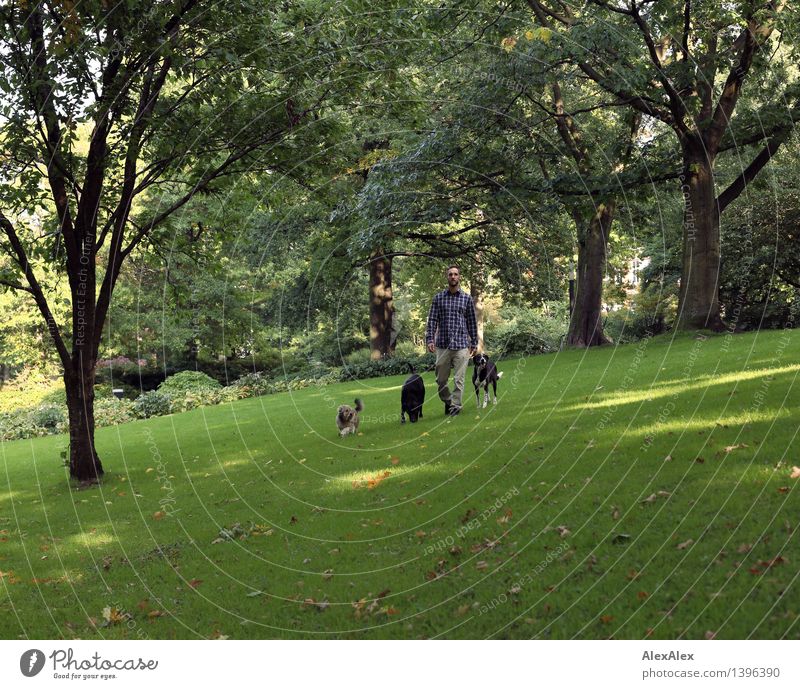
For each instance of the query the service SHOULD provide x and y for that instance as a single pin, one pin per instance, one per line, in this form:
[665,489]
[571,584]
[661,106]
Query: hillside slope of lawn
[644,490]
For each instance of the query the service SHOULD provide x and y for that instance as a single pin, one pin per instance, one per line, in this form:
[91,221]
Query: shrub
[51,417]
[110,411]
[152,403]
[252,385]
[388,367]
[195,398]
[188,382]
[527,331]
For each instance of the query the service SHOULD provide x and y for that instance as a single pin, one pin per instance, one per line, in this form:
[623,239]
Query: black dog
[485,372]
[412,397]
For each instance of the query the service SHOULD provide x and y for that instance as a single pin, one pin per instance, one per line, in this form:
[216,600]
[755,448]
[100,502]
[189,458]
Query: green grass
[531,519]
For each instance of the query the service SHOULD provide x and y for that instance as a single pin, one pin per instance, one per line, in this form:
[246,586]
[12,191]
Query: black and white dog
[412,397]
[485,373]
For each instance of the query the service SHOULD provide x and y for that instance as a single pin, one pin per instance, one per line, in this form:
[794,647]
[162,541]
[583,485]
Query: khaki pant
[445,360]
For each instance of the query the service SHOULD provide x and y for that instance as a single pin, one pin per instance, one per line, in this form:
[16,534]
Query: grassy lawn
[636,491]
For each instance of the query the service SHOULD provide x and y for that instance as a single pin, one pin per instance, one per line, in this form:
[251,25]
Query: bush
[527,331]
[195,398]
[152,403]
[188,382]
[112,412]
[651,313]
[392,366]
[252,385]
[51,417]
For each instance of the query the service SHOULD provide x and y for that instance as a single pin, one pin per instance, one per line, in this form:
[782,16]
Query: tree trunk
[84,464]
[698,302]
[476,287]
[380,305]
[80,370]
[586,325]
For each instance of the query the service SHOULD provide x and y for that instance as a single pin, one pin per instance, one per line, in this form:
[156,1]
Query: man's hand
[431,347]
[472,351]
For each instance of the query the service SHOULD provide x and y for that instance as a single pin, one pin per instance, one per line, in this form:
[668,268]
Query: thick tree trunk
[698,302]
[380,305]
[476,287]
[586,325]
[84,464]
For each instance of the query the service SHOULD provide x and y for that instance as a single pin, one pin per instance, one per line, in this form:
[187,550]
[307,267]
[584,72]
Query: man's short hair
[450,267]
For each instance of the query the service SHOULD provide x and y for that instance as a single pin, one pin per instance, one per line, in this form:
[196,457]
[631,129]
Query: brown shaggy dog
[347,418]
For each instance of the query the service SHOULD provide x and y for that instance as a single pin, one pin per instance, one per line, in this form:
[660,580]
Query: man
[452,333]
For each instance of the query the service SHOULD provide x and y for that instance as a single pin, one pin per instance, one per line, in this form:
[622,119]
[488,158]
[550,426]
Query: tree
[172,95]
[684,65]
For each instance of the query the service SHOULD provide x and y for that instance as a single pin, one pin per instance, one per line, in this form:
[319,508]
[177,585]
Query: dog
[485,373]
[412,397]
[347,418]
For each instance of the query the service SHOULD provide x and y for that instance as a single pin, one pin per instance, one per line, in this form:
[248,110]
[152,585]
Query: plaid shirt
[452,321]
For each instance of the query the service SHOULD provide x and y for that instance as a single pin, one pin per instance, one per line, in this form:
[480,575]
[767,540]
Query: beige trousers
[445,360]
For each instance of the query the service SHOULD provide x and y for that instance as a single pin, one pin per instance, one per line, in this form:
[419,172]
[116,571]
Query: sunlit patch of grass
[661,390]
[699,423]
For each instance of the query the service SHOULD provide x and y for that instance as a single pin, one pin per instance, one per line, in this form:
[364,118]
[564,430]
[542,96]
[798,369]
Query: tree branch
[35,289]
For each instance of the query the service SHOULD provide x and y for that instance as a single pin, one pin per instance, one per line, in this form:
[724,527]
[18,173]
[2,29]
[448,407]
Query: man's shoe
[454,411]
[447,407]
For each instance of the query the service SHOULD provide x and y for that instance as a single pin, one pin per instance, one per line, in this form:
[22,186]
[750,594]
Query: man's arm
[472,325]
[433,322]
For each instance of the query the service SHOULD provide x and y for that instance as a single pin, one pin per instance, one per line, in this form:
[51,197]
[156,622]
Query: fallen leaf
[731,448]
[113,616]
[783,489]
[642,595]
[155,613]
[710,635]
[795,472]
[194,583]
[482,565]
[159,515]
[685,544]
[563,531]
[395,460]
[606,619]
[615,513]
[779,560]
[327,574]
[744,548]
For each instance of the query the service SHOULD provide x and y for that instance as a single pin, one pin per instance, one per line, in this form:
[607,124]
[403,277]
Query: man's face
[453,277]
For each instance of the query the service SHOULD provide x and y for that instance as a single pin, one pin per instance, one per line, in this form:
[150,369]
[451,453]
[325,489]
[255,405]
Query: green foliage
[388,367]
[188,382]
[527,331]
[152,403]
[110,411]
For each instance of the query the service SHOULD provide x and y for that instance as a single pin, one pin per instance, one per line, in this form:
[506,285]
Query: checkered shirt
[451,321]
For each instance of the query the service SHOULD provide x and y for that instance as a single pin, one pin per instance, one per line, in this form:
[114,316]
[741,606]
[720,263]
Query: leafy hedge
[191,389]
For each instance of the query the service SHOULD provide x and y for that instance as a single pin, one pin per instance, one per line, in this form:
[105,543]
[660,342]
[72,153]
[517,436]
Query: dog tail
[359,405]
[499,374]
